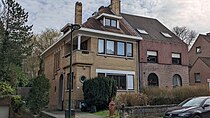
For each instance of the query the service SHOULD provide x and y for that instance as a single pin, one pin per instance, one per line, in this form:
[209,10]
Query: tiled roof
[152,26]
[206,60]
[96,24]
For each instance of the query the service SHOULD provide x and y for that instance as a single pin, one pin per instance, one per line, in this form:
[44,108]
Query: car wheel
[196,116]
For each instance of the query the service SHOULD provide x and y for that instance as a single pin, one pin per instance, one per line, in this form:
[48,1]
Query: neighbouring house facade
[108,44]
[199,58]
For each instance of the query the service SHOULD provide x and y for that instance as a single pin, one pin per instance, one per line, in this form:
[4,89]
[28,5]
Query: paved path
[78,114]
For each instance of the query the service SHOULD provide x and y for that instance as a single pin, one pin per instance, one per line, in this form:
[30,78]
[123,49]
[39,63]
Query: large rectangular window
[101,46]
[176,58]
[197,78]
[121,48]
[129,50]
[110,47]
[152,56]
[120,80]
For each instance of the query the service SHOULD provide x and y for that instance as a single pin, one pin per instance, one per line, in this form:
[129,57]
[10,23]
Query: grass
[105,114]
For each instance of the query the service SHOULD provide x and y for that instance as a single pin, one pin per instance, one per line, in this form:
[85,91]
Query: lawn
[105,113]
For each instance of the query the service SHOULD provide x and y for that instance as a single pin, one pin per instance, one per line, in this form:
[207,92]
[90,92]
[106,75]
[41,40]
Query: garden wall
[142,111]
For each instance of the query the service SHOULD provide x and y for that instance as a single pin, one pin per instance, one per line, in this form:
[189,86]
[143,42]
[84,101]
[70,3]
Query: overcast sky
[195,14]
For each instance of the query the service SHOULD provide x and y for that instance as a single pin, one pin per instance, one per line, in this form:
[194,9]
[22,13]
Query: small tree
[99,91]
[39,94]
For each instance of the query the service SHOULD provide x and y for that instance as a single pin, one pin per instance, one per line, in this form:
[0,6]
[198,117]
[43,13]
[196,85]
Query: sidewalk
[78,114]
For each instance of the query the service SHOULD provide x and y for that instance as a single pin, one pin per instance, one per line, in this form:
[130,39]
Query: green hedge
[99,91]
[160,96]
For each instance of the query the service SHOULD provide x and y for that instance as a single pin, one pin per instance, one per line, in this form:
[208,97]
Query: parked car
[197,107]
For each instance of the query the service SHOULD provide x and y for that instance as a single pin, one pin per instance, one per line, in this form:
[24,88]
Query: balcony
[79,57]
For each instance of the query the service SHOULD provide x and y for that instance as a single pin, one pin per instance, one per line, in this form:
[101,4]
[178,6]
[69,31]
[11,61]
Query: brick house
[111,44]
[199,57]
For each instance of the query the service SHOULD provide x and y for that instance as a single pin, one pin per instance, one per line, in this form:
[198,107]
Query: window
[176,58]
[142,31]
[153,80]
[197,78]
[167,35]
[68,78]
[67,49]
[129,50]
[198,50]
[82,79]
[56,61]
[110,22]
[177,80]
[152,56]
[110,47]
[121,48]
[118,48]
[101,49]
[120,80]
[124,79]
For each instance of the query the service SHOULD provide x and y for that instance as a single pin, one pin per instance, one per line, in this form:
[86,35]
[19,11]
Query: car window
[207,102]
[194,102]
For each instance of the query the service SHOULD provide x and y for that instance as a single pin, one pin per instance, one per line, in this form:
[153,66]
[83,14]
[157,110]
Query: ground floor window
[177,80]
[124,79]
[153,80]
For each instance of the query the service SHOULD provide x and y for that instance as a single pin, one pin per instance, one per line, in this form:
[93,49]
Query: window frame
[173,58]
[104,46]
[154,56]
[198,52]
[117,47]
[110,22]
[127,43]
[113,47]
[195,78]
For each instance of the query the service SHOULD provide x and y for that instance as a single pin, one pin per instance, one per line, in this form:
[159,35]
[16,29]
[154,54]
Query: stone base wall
[142,111]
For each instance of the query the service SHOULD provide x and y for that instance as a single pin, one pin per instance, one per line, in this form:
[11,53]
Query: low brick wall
[142,111]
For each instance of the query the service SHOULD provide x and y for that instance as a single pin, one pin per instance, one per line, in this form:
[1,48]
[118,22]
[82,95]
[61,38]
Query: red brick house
[199,57]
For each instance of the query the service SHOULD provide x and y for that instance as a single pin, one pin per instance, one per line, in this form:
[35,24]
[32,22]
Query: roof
[206,60]
[153,27]
[93,23]
[206,37]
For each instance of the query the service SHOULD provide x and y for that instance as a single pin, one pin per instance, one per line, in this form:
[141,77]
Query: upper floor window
[118,48]
[198,50]
[197,78]
[176,58]
[152,56]
[129,51]
[56,61]
[110,22]
[101,46]
[110,47]
[142,31]
[121,48]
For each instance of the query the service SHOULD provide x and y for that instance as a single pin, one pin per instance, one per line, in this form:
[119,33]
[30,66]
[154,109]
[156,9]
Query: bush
[132,99]
[17,103]
[39,94]
[6,89]
[99,91]
[159,96]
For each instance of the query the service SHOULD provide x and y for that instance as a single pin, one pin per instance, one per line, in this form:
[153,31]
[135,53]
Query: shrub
[39,94]
[99,91]
[132,99]
[6,89]
[17,103]
[159,96]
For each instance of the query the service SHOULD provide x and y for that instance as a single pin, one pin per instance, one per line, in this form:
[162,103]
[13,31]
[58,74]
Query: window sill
[116,56]
[125,90]
[68,90]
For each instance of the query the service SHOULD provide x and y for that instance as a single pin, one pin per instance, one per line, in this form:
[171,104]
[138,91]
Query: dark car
[197,107]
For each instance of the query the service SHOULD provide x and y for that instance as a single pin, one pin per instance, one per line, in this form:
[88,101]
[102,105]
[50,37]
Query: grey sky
[56,13]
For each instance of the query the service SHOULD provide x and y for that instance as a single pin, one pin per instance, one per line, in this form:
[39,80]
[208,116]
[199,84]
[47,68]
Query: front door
[61,91]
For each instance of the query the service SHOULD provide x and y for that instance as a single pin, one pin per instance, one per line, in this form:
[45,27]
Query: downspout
[138,68]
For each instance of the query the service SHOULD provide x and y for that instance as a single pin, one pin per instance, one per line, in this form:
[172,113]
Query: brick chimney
[78,13]
[115,6]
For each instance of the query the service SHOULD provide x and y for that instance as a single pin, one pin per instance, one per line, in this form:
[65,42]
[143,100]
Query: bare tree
[185,34]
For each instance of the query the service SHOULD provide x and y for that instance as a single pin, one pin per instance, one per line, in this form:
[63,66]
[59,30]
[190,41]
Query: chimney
[115,6]
[78,13]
